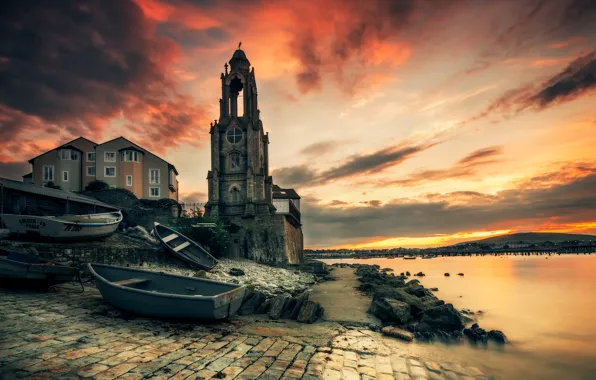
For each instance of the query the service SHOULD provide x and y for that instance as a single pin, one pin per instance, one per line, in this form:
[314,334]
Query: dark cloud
[526,26]
[14,170]
[319,148]
[468,166]
[357,165]
[577,79]
[357,25]
[75,65]
[190,38]
[518,208]
[193,197]
[294,176]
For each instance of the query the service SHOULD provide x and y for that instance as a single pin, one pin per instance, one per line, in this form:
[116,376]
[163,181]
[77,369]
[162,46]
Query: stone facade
[240,187]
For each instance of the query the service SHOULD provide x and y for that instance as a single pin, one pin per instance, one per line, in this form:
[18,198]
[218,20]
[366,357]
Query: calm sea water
[546,305]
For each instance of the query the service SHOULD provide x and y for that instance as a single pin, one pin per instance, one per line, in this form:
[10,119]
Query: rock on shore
[410,307]
[271,281]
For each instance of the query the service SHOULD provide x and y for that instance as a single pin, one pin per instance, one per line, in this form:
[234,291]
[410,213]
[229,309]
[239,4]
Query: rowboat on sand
[161,295]
[31,271]
[184,248]
[65,227]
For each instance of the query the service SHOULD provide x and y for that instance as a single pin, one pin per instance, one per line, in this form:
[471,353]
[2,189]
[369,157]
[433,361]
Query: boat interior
[181,245]
[161,282]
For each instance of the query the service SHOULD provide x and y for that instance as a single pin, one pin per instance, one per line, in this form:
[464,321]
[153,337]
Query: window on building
[128,180]
[110,171]
[64,176]
[154,176]
[234,135]
[154,192]
[74,155]
[48,173]
[90,156]
[65,154]
[235,194]
[131,156]
[91,171]
[109,156]
[235,161]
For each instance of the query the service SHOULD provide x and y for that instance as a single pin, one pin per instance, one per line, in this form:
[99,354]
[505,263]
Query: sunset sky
[403,123]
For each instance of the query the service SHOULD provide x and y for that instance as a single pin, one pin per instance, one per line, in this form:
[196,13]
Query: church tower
[239,182]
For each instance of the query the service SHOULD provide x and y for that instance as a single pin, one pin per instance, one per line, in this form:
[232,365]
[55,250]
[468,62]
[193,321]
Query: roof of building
[48,192]
[65,145]
[141,149]
[279,193]
[239,54]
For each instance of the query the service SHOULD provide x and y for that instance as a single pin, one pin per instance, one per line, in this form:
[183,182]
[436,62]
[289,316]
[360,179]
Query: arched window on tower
[235,194]
[235,161]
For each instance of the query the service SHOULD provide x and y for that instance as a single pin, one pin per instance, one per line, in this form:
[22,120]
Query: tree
[97,185]
[52,185]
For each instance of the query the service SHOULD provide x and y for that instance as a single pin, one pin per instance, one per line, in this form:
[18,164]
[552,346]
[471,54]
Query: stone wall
[294,242]
[112,251]
[269,239]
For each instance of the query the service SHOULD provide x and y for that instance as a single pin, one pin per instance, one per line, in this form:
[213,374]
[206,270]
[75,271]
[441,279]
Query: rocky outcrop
[398,333]
[278,306]
[497,336]
[410,307]
[252,302]
[391,310]
[309,312]
[236,272]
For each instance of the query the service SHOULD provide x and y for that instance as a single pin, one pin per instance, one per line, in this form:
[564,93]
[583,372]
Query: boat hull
[195,254]
[56,229]
[37,274]
[166,296]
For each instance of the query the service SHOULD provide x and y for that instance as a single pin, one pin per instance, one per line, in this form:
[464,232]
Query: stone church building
[264,218]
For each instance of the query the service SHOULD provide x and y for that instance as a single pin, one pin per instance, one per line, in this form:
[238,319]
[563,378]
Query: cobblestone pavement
[63,334]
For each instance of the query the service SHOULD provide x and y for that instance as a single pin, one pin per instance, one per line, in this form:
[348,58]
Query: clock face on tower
[234,135]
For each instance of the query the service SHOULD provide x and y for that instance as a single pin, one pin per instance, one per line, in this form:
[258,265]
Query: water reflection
[546,307]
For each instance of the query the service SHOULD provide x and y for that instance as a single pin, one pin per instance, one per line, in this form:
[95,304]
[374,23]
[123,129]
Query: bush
[52,185]
[217,238]
[97,185]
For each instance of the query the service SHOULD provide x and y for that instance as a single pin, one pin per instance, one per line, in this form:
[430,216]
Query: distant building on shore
[265,217]
[118,162]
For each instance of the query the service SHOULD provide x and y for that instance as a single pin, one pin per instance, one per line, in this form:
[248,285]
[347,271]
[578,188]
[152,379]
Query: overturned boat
[156,294]
[184,248]
[31,271]
[65,227]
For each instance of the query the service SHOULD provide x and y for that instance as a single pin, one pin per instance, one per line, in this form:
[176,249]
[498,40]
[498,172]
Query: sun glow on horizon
[423,241]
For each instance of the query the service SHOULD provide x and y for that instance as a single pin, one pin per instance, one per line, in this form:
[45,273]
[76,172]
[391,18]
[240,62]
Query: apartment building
[118,162]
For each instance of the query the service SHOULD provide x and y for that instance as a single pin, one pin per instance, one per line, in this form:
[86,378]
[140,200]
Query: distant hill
[534,237]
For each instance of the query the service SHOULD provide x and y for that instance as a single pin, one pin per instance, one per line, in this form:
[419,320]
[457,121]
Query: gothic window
[235,194]
[235,161]
[234,135]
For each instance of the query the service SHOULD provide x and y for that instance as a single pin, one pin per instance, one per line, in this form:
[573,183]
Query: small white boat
[409,257]
[66,227]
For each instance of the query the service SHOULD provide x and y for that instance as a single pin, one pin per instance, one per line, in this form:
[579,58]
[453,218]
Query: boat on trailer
[31,271]
[64,227]
[184,248]
[161,295]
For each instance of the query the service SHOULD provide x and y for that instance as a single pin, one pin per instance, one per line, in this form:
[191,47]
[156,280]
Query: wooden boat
[184,248]
[409,257]
[65,227]
[161,295]
[31,271]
